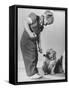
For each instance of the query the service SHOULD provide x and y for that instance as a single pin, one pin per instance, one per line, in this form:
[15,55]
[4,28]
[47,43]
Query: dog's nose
[44,55]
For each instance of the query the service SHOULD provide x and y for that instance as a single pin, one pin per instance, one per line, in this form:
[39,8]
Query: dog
[59,66]
[49,63]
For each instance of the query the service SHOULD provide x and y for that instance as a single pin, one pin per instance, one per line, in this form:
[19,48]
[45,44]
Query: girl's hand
[40,50]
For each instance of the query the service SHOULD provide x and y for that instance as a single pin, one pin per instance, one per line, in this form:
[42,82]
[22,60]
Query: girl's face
[48,19]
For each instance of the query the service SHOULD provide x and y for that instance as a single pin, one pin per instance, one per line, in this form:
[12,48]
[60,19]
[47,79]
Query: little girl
[30,38]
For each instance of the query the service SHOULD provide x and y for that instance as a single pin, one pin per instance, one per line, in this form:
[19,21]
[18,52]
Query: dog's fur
[58,67]
[50,64]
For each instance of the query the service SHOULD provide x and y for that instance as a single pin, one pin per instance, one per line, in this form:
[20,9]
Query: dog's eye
[44,55]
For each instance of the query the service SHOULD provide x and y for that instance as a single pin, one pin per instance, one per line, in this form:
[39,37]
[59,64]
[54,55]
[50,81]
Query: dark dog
[58,67]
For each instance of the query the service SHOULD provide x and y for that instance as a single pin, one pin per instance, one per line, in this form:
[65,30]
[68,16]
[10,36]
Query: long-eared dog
[50,64]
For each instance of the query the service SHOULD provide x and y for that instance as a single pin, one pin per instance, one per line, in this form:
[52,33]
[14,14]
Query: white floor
[22,77]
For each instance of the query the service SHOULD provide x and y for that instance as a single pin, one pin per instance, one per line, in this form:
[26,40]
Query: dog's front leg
[52,71]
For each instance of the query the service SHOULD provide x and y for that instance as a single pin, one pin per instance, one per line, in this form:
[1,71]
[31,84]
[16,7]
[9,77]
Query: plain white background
[52,36]
[4,44]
